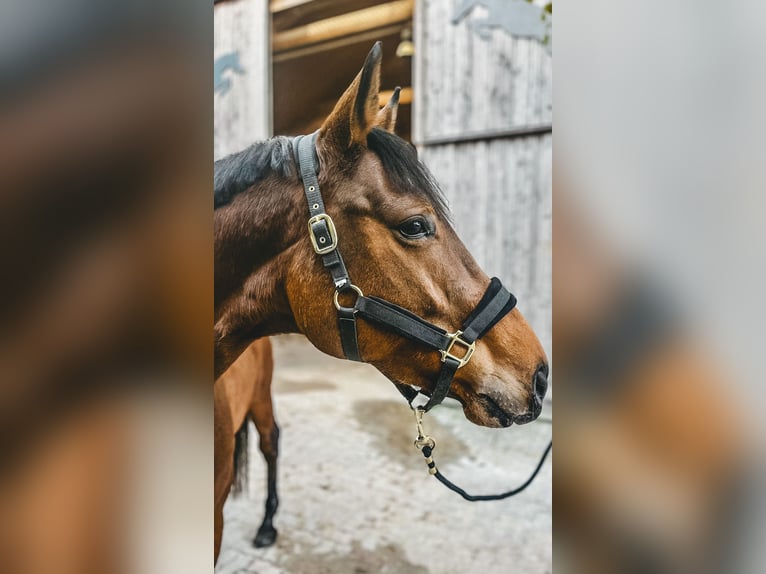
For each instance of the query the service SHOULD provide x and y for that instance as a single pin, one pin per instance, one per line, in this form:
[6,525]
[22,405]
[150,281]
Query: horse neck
[254,236]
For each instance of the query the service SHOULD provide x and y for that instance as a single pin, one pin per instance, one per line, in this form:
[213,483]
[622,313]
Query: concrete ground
[355,496]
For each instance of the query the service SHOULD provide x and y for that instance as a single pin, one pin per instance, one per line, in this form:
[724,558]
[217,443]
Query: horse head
[394,230]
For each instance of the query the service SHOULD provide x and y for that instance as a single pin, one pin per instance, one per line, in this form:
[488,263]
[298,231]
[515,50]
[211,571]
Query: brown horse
[398,244]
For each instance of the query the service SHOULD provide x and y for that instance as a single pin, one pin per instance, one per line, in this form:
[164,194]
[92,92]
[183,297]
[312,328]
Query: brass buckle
[469,349]
[322,249]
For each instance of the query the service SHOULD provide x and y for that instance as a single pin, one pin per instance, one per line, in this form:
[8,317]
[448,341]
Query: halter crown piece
[456,348]
[495,304]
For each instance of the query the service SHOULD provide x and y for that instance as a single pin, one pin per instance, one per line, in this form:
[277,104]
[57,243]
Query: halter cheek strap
[322,231]
[456,349]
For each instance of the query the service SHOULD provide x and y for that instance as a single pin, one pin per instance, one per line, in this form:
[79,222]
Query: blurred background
[476,100]
[106,257]
[658,258]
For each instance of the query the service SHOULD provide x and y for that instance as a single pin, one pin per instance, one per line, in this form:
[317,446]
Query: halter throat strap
[456,348]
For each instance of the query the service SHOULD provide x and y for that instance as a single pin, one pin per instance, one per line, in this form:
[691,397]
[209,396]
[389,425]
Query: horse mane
[238,172]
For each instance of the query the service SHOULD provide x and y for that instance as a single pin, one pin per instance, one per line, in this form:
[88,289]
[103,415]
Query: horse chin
[483,411]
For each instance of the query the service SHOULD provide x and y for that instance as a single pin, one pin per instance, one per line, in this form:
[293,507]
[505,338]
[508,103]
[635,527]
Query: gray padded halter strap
[321,226]
[306,157]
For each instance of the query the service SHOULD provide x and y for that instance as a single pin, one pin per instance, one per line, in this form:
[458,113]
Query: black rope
[427,452]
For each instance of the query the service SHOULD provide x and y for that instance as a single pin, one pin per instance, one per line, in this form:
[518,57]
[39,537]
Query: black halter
[494,305]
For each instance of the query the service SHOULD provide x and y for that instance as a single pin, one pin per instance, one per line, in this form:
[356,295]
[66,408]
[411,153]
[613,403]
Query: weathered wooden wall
[243,110]
[499,188]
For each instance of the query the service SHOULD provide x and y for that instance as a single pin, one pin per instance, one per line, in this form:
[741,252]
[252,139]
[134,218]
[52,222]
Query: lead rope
[427,444]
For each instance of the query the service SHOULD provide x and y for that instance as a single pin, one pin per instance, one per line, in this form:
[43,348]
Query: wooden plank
[460,114]
[242,106]
[344,25]
[419,69]
[431,96]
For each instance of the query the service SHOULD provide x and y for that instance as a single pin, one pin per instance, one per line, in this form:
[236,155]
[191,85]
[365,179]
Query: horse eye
[414,228]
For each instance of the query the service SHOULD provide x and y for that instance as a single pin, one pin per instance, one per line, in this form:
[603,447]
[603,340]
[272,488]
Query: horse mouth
[495,411]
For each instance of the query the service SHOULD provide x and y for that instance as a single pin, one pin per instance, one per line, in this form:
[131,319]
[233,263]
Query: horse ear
[355,113]
[386,117]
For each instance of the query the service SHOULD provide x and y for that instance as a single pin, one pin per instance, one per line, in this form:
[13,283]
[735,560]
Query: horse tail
[240,477]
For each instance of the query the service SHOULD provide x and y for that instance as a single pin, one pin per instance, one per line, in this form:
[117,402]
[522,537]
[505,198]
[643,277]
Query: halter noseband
[496,302]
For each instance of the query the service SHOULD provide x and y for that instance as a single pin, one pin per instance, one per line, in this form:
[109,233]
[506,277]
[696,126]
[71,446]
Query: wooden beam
[344,25]
[290,15]
[405,96]
[369,36]
[282,5]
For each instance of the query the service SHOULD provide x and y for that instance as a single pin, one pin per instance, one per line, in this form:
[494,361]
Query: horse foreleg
[269,444]
[262,412]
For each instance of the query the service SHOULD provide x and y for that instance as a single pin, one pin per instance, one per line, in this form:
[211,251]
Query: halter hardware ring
[420,442]
[346,287]
[469,349]
[315,241]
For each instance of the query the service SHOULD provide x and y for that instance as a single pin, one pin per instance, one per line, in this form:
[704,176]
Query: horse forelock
[405,171]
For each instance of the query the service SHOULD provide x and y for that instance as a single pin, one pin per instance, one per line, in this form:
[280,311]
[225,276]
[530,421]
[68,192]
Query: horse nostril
[541,382]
